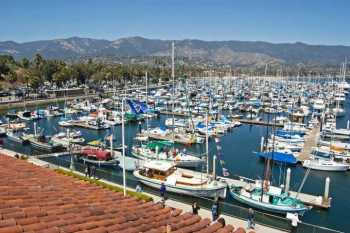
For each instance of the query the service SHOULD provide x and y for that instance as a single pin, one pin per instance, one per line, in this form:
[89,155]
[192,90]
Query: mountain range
[229,52]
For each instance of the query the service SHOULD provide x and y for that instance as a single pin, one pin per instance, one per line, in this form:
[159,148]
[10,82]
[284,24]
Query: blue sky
[277,21]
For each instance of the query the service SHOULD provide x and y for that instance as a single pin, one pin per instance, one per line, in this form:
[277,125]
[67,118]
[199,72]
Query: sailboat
[261,194]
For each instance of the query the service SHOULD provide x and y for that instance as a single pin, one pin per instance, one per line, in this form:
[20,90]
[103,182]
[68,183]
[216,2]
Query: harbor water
[239,149]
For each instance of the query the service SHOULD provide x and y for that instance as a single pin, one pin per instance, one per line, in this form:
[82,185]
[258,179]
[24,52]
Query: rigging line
[184,87]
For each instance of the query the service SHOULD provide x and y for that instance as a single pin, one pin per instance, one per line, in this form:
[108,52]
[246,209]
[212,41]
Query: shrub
[104,185]
[23,157]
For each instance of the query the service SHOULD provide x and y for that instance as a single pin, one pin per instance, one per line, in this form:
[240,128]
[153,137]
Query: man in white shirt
[295,221]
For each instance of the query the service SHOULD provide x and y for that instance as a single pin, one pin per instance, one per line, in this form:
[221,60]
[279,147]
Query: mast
[207,143]
[147,103]
[173,77]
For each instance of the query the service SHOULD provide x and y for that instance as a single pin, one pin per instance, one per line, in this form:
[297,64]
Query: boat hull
[268,207]
[212,193]
[110,163]
[17,140]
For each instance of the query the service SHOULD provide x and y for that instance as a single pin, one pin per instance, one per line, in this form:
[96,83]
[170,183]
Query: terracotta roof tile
[27,221]
[40,200]
[7,223]
[34,227]
[11,229]
[16,215]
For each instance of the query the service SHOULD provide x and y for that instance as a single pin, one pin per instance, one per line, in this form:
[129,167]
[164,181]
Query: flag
[137,108]
[224,169]
[225,173]
[222,162]
[219,154]
[217,140]
[218,147]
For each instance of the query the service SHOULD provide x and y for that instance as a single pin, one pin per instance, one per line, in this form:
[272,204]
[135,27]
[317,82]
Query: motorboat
[154,173]
[42,142]
[99,158]
[325,165]
[27,116]
[17,137]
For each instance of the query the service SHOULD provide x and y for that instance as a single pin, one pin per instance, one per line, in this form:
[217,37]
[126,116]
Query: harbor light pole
[71,167]
[123,144]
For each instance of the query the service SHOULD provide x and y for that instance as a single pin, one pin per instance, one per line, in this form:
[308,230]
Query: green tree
[12,77]
[34,81]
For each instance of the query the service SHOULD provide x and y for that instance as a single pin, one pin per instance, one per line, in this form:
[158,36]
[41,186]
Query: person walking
[295,221]
[138,189]
[89,170]
[162,191]
[1,144]
[214,211]
[86,170]
[195,209]
[250,219]
[93,172]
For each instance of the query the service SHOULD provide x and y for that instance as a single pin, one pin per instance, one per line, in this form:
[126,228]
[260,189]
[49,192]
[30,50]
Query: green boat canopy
[160,145]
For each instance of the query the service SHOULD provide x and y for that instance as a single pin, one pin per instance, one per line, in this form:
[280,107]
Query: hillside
[230,52]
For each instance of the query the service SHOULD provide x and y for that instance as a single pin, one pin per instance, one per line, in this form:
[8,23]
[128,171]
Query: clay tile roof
[38,200]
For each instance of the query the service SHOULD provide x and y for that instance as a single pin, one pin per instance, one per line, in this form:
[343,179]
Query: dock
[263,123]
[84,125]
[309,143]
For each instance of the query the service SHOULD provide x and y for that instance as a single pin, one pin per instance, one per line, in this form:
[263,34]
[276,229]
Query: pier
[309,143]
[263,123]
[84,125]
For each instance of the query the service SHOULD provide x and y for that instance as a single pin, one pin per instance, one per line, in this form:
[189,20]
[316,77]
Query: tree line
[33,73]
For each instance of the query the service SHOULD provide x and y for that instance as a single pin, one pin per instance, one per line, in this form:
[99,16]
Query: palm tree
[38,60]
[25,63]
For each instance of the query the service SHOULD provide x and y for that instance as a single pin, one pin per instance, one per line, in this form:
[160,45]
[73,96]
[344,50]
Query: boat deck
[167,138]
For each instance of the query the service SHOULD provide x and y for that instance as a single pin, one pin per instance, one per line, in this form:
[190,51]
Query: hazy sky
[277,21]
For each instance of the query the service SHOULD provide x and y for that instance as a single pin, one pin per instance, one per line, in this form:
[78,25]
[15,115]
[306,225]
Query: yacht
[154,173]
[325,165]
[27,116]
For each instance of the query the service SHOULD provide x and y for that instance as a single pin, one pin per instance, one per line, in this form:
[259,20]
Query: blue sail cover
[279,157]
[281,133]
[137,108]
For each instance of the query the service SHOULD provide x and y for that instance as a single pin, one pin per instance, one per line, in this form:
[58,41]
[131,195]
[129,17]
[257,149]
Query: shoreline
[21,104]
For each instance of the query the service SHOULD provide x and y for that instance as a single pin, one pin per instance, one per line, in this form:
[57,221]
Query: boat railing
[262,218]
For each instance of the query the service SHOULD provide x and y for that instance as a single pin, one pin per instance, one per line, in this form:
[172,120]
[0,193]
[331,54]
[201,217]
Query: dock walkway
[309,143]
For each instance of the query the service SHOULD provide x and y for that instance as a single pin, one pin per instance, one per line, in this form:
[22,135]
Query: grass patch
[104,185]
[23,157]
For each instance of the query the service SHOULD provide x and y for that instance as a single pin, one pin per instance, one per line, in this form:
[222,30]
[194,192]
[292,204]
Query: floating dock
[84,125]
[263,123]
[309,143]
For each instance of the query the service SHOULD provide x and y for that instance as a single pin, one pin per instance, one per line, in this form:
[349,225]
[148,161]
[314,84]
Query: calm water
[238,148]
